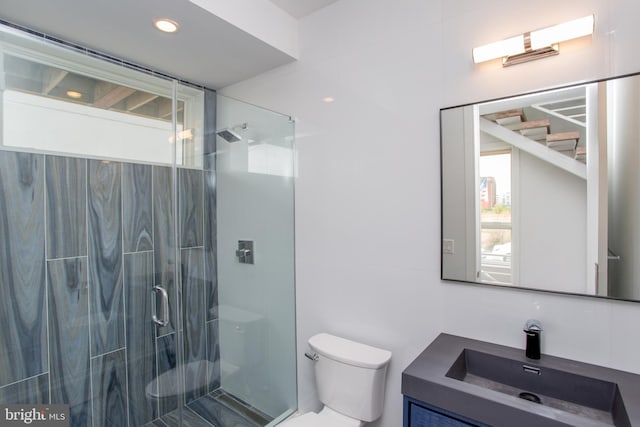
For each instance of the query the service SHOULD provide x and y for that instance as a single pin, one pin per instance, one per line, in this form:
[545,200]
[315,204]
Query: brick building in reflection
[487,192]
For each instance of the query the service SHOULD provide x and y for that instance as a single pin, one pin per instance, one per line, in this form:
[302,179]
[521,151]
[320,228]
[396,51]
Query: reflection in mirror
[538,190]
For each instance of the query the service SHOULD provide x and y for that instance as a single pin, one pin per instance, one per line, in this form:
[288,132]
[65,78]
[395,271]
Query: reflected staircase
[567,143]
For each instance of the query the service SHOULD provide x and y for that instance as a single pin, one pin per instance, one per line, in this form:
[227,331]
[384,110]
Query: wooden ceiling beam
[164,108]
[51,78]
[109,98]
[139,99]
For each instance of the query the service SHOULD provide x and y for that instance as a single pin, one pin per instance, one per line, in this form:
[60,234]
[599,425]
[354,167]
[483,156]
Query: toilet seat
[326,418]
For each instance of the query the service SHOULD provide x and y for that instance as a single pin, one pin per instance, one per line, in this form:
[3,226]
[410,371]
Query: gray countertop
[425,379]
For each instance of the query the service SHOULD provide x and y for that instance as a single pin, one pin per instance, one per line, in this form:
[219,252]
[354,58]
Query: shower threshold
[217,409]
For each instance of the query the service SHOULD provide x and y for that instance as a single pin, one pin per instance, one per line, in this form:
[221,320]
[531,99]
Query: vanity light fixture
[534,44]
[166,25]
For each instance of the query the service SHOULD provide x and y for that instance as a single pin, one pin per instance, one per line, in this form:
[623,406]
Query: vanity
[458,381]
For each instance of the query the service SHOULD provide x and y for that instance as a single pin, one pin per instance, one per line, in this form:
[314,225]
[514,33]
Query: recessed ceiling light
[328,99]
[166,25]
[74,94]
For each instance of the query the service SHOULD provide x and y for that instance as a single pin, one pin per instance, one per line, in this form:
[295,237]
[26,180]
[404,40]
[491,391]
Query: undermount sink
[493,385]
[587,397]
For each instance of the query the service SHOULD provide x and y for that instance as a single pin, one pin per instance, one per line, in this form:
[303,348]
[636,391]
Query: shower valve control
[245,251]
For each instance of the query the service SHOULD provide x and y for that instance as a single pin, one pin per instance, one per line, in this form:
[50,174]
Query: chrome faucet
[532,329]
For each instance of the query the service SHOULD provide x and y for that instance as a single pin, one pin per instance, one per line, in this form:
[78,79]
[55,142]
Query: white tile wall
[368,194]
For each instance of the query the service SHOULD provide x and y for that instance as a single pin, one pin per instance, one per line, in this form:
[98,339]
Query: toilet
[197,376]
[350,380]
[241,335]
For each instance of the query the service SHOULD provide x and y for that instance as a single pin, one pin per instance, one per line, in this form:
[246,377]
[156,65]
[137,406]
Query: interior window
[85,107]
[496,261]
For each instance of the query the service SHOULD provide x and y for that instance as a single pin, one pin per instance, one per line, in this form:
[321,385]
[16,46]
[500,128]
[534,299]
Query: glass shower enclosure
[146,244]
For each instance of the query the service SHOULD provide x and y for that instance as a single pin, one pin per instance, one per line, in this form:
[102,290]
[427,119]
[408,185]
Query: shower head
[230,134]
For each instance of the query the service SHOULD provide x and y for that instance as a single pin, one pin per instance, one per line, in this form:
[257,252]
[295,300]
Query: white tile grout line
[66,258]
[138,252]
[24,379]
[108,353]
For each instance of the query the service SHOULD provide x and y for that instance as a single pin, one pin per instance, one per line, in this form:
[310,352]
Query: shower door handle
[164,321]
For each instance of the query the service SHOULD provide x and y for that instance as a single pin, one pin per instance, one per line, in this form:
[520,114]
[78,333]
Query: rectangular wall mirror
[540,191]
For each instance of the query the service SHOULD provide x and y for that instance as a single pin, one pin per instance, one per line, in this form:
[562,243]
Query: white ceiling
[301,8]
[207,50]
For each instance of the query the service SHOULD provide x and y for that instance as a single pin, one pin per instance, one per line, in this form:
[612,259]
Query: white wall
[459,184]
[552,227]
[367,194]
[34,122]
[37,123]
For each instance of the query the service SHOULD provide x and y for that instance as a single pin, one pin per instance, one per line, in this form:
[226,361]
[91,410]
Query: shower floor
[218,409]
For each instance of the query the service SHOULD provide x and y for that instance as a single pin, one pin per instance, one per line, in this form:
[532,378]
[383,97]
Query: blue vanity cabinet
[420,414]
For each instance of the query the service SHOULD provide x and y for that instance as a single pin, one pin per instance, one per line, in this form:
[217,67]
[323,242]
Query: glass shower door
[255,243]
[236,264]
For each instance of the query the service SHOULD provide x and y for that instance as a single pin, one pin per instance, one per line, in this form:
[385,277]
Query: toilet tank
[241,336]
[350,377]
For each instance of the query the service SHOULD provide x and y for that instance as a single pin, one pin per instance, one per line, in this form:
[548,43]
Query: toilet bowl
[350,379]
[167,384]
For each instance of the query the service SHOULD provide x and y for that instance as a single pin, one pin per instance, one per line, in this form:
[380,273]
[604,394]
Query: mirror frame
[442,197]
